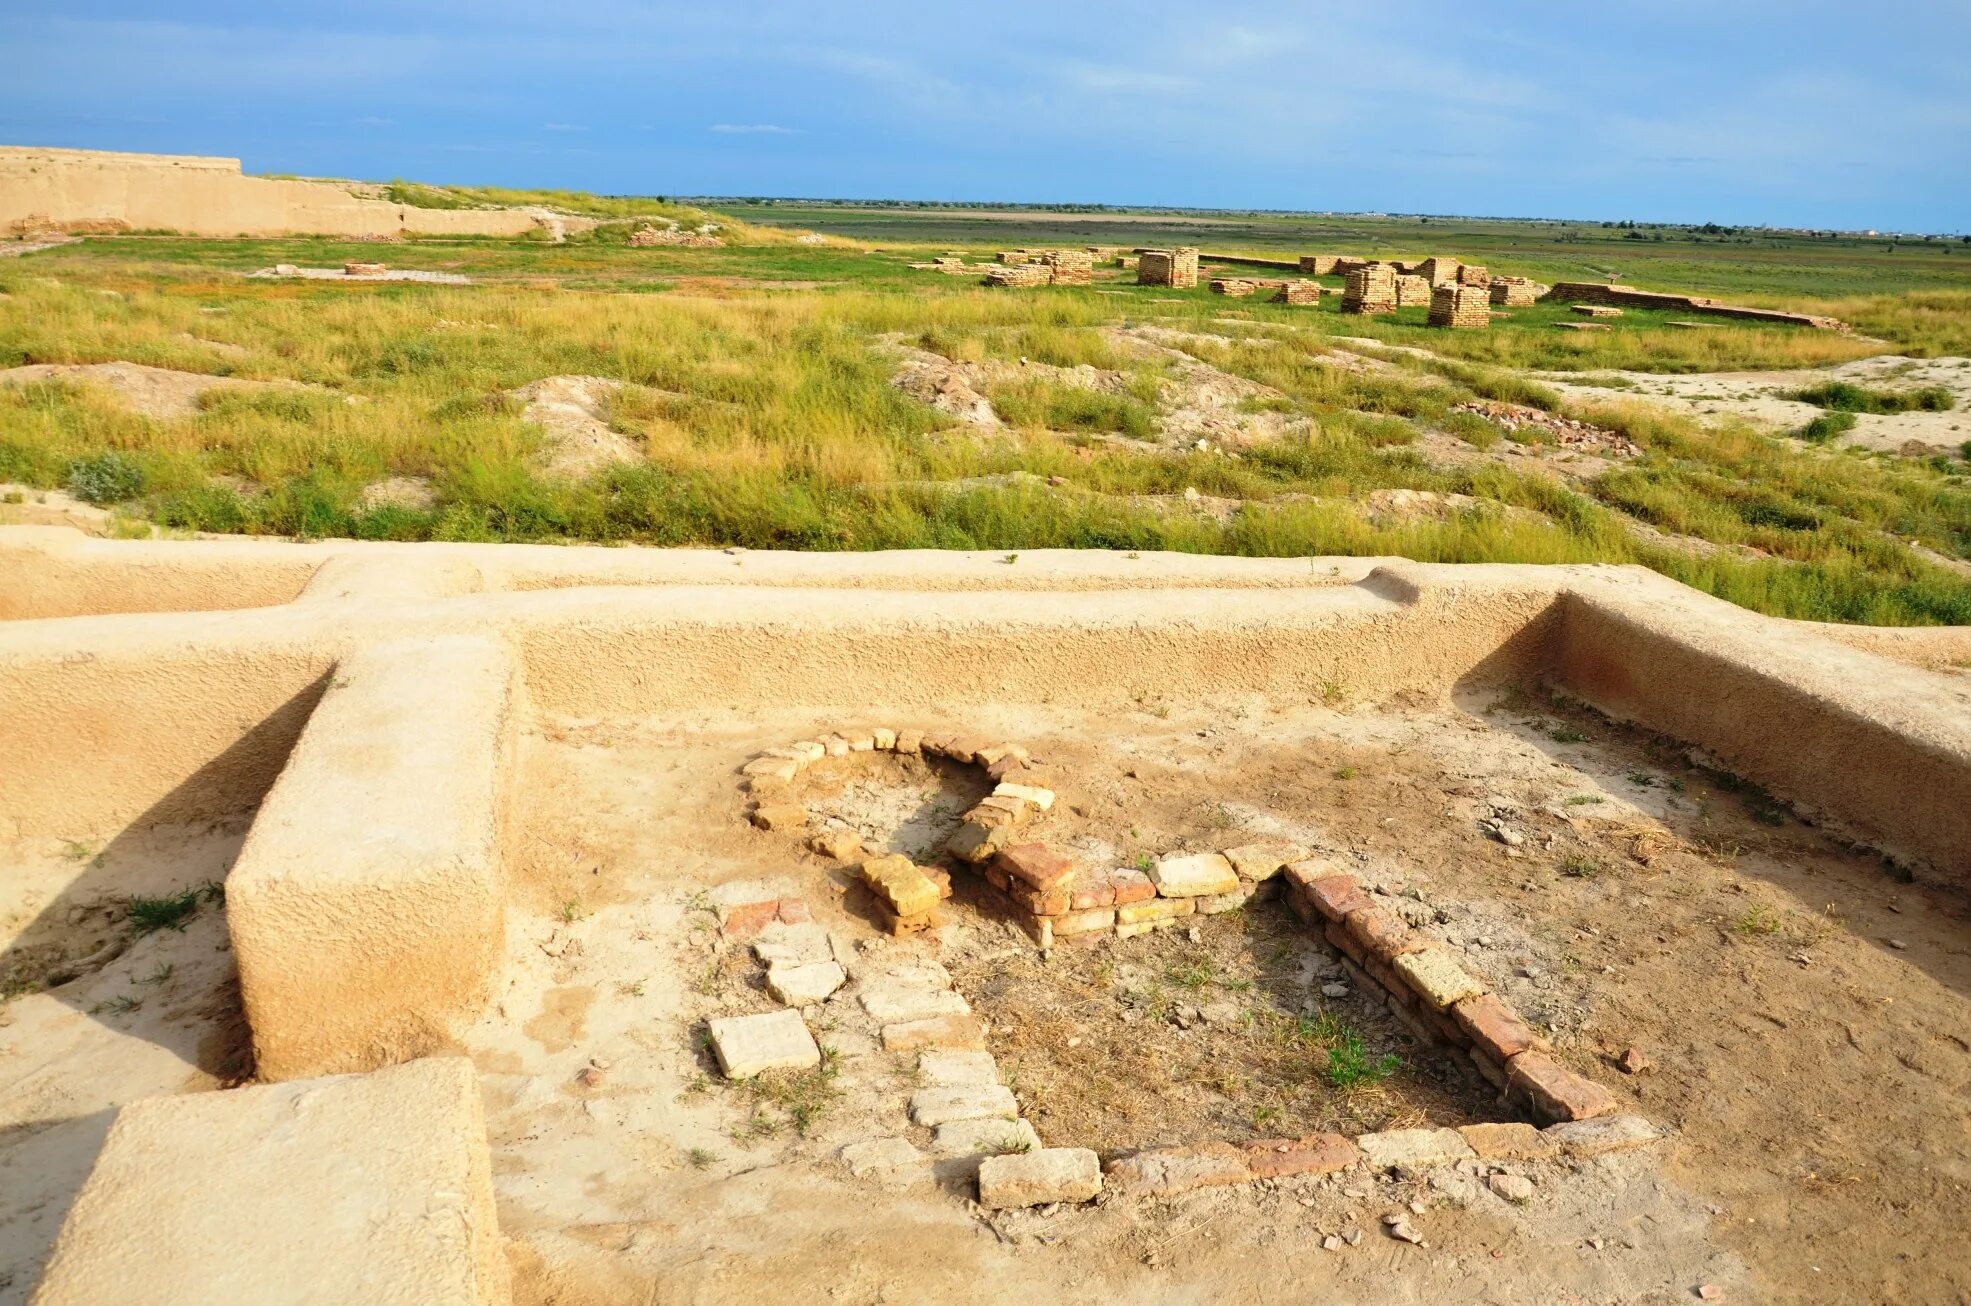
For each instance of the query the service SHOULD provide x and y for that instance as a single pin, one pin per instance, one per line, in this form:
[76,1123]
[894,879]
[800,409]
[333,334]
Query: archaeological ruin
[528,858]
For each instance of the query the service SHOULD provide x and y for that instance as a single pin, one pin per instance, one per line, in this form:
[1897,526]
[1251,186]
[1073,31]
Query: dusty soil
[1747,958]
[1801,1013]
[1759,396]
[572,412]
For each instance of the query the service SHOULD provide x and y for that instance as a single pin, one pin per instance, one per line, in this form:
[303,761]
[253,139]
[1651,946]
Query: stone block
[1403,1148]
[356,1188]
[901,885]
[948,1032]
[1166,1171]
[945,1104]
[1435,976]
[1584,1138]
[1090,894]
[994,813]
[1037,866]
[1261,861]
[1554,1092]
[1509,1141]
[841,845]
[777,1040]
[952,1069]
[910,741]
[1156,909]
[1495,1028]
[800,984]
[835,745]
[1052,1174]
[881,1157]
[1318,1154]
[1336,897]
[886,739]
[1052,902]
[1193,875]
[984,1137]
[891,1004]
[900,926]
[781,768]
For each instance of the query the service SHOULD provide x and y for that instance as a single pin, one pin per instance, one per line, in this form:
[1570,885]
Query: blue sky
[1742,111]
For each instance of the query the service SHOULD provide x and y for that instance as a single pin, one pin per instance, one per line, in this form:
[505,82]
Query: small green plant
[1580,866]
[1345,773]
[700,1158]
[120,1005]
[1826,427]
[105,478]
[1582,800]
[1351,1067]
[1567,735]
[571,911]
[1010,559]
[1846,397]
[1263,1116]
[1642,779]
[147,915]
[1757,920]
[1144,862]
[161,975]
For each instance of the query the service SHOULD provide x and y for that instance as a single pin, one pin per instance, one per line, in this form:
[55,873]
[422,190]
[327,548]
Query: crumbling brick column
[1176,268]
[1463,307]
[1371,288]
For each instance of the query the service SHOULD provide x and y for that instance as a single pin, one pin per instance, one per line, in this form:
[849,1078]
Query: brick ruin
[1465,307]
[1318,265]
[1412,291]
[1176,268]
[1470,274]
[1370,288]
[1023,269]
[1515,292]
[1589,292]
[1298,292]
[1439,269]
[1019,276]
[1233,287]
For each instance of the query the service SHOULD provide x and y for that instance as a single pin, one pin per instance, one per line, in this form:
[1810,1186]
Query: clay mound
[148,391]
[944,385]
[571,411]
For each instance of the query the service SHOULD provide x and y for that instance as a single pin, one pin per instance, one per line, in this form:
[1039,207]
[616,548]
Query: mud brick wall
[1233,287]
[1370,288]
[1515,292]
[1299,292]
[1413,292]
[1318,265]
[1071,267]
[1019,276]
[1439,269]
[1472,275]
[1463,307]
[1589,292]
[1177,268]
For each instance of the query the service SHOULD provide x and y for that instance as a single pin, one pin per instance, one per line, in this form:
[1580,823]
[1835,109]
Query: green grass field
[757,393]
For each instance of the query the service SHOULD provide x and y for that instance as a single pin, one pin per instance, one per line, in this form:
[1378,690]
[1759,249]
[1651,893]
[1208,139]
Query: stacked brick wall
[1019,276]
[1299,292]
[1439,270]
[1515,292]
[1233,287]
[1370,288]
[1588,292]
[1176,268]
[1472,275]
[1463,307]
[1071,267]
[1318,265]
[1413,292]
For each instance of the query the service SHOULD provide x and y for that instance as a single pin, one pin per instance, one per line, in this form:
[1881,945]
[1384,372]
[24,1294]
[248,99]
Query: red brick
[965,748]
[1381,934]
[1051,902]
[1489,1067]
[1101,893]
[993,813]
[794,911]
[1131,886]
[1342,939]
[997,878]
[1495,1027]
[940,877]
[1335,896]
[1316,1154]
[747,919]
[1303,906]
[1037,866]
[958,1033]
[1553,1091]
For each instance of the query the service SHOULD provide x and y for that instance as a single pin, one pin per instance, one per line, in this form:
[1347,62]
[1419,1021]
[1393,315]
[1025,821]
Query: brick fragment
[1263,860]
[886,739]
[910,741]
[976,843]
[1495,1028]
[901,926]
[943,1105]
[999,813]
[862,741]
[988,1137]
[1335,896]
[780,816]
[954,1068]
[781,768]
[1033,795]
[1194,875]
[961,1033]
[745,920]
[1131,885]
[1212,904]
[1165,1171]
[1435,976]
[1584,1138]
[896,1003]
[842,845]
[1554,1092]
[1091,894]
[1156,909]
[778,1040]
[1381,934]
[900,885]
[965,748]
[1085,922]
[836,745]
[1399,1148]
[1317,1154]
[1052,1174]
[1037,866]
[1051,902]
[802,983]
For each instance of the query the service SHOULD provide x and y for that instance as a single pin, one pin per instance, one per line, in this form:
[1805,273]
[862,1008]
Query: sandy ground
[1758,397]
[1803,1018]
[149,391]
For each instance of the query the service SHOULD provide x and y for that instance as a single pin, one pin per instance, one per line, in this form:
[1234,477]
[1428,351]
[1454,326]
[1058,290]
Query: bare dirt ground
[145,390]
[1802,1016]
[1760,397]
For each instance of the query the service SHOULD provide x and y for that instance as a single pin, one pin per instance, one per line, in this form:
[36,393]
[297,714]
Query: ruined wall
[102,190]
[1463,307]
[1370,288]
[1590,292]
